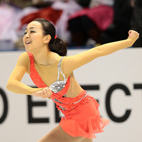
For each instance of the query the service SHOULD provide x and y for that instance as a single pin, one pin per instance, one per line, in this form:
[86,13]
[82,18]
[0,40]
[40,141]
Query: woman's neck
[45,57]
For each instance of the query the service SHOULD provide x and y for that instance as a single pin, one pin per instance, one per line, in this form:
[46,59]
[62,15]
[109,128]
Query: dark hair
[56,44]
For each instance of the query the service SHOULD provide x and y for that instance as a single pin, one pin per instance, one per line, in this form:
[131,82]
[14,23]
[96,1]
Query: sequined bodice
[57,86]
[59,89]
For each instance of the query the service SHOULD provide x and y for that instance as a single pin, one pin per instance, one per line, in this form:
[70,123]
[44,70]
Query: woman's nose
[27,34]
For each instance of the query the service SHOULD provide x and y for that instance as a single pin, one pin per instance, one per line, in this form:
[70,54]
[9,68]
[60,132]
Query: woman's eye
[32,31]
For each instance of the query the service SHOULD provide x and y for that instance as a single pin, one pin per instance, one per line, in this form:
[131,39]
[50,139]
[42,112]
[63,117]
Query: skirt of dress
[85,121]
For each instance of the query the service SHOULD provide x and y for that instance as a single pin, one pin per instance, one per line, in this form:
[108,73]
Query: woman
[53,74]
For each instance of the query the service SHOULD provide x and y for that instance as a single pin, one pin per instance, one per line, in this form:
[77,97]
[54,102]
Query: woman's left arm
[71,63]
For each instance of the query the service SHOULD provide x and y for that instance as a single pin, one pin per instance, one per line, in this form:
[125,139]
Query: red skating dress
[81,115]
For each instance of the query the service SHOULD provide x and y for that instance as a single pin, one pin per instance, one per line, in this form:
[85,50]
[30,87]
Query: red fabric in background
[47,13]
[101,15]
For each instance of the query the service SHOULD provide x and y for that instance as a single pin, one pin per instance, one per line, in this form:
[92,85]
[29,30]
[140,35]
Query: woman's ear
[47,39]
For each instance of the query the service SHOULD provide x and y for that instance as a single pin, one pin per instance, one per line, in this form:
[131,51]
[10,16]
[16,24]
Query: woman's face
[33,37]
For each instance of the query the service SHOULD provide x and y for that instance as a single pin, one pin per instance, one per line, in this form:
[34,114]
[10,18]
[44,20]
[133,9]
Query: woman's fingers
[133,34]
[43,94]
[46,93]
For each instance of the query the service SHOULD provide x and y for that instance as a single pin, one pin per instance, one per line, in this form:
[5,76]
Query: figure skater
[51,70]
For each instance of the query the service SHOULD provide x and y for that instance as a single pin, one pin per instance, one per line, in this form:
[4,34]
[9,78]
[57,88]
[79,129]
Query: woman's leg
[87,140]
[58,135]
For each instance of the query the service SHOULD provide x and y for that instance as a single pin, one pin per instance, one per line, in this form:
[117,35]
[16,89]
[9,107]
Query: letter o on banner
[5,106]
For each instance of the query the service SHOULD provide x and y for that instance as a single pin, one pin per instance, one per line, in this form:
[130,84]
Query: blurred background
[79,23]
[115,81]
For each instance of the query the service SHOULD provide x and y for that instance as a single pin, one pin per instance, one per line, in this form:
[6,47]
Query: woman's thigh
[58,135]
[87,140]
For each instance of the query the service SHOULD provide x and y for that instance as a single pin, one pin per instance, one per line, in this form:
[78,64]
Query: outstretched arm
[71,63]
[14,84]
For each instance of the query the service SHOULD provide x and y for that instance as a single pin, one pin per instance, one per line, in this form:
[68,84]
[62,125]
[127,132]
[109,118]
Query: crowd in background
[78,23]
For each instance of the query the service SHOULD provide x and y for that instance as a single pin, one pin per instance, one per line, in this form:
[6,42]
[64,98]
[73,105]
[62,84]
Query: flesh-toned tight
[58,135]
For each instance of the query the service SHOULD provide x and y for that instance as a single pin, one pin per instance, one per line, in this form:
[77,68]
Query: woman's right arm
[14,84]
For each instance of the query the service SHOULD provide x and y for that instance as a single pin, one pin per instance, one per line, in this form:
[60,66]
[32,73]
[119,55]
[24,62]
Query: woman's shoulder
[24,55]
[24,60]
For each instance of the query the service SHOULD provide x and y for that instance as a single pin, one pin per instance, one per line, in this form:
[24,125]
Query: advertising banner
[115,81]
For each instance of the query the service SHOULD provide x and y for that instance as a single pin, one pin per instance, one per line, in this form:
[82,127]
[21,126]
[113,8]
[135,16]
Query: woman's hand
[133,34]
[44,93]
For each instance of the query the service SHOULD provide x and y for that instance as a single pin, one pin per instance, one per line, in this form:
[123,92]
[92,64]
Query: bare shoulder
[24,60]
[24,55]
